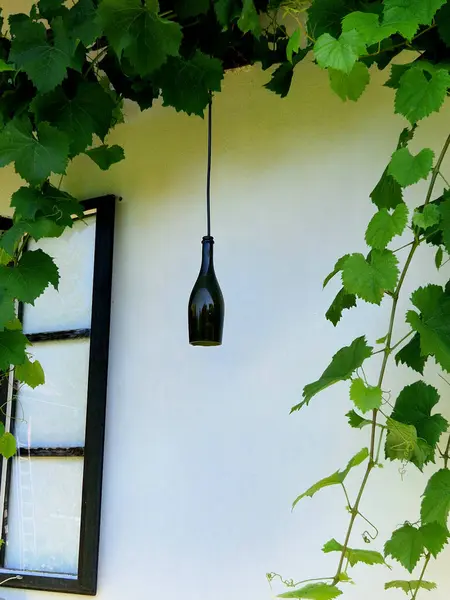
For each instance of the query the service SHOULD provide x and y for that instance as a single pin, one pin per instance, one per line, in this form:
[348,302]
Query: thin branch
[405,337]
[422,575]
[446,182]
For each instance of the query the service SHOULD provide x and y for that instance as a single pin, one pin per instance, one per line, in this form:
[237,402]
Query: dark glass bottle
[206,306]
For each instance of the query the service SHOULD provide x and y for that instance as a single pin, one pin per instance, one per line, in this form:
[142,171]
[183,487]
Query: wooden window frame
[85,582]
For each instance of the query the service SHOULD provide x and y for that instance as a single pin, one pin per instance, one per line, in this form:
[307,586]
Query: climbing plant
[66,69]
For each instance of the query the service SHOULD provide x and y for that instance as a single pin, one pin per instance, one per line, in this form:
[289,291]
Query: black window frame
[85,582]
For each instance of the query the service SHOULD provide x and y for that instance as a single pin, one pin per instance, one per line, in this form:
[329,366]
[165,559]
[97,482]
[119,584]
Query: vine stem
[422,575]
[387,353]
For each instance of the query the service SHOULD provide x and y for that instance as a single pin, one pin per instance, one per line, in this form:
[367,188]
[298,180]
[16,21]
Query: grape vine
[65,71]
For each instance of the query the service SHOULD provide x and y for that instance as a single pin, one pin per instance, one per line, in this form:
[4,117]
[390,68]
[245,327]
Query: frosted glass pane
[54,414]
[70,308]
[44,515]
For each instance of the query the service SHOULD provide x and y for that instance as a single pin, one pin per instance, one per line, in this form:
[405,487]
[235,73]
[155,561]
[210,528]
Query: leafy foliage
[436,499]
[370,279]
[384,226]
[365,397]
[368,557]
[343,365]
[409,587]
[407,169]
[314,591]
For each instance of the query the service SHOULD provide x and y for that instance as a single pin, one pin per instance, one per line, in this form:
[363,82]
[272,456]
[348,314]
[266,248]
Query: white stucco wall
[202,459]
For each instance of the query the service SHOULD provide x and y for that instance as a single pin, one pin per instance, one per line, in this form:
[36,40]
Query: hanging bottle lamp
[206,306]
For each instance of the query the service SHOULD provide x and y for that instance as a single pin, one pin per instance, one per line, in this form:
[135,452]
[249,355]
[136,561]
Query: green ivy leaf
[12,348]
[350,86]
[436,499]
[35,157]
[7,445]
[105,156]
[340,54]
[187,84]
[89,111]
[435,537]
[370,279]
[343,364]
[365,398]
[384,226]
[314,591]
[137,32]
[336,478]
[368,557]
[410,355]
[413,407]
[30,373]
[293,45]
[340,303]
[408,169]
[387,193]
[427,217]
[81,20]
[33,273]
[356,421]
[418,95]
[249,19]
[45,64]
[409,587]
[405,546]
[432,323]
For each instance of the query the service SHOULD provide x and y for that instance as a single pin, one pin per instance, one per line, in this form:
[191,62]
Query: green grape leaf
[418,95]
[8,445]
[314,591]
[89,111]
[365,397]
[226,11]
[186,9]
[368,26]
[281,79]
[45,64]
[383,226]
[408,169]
[35,157]
[5,67]
[444,210]
[433,323]
[436,499]
[356,421]
[405,546]
[7,308]
[401,441]
[407,16]
[105,156]
[438,257]
[370,279]
[81,20]
[339,304]
[31,373]
[427,217]
[409,587]
[340,54]
[293,45]
[34,272]
[12,348]
[337,268]
[187,84]
[387,193]
[249,19]
[443,23]
[49,202]
[137,32]
[336,478]
[435,537]
[411,356]
[413,407]
[350,86]
[343,364]
[51,8]
[368,557]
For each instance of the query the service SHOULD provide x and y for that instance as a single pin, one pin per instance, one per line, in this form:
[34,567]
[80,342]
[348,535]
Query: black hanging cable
[208,175]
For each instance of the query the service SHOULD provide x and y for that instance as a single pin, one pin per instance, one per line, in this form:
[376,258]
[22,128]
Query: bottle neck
[207,255]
